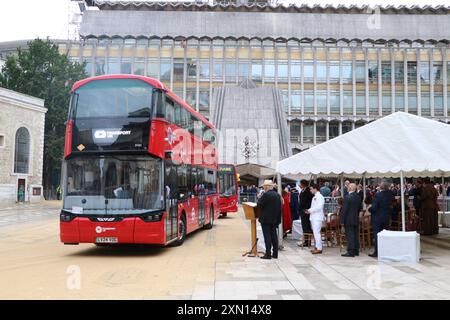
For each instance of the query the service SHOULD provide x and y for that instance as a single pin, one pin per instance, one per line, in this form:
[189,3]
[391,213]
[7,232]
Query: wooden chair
[365,233]
[333,229]
[307,236]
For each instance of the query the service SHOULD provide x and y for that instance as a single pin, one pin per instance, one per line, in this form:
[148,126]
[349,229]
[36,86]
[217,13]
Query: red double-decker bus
[140,165]
[228,188]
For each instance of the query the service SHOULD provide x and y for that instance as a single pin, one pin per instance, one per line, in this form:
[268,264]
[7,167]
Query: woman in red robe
[287,218]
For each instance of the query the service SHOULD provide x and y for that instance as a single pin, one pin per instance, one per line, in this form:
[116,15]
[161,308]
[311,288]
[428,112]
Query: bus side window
[178,115]
[182,174]
[170,110]
[158,104]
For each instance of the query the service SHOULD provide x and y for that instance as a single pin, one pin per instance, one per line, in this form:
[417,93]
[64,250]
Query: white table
[398,246]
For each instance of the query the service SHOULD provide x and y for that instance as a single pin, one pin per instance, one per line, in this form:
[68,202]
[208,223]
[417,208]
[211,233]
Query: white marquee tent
[398,145]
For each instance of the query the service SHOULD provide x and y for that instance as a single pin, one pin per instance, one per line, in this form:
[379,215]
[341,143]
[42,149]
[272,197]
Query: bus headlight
[152,217]
[65,216]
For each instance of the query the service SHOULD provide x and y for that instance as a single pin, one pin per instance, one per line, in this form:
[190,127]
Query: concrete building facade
[337,68]
[22,120]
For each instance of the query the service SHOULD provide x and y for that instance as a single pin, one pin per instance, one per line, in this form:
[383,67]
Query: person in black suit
[380,211]
[269,205]
[350,217]
[294,204]
[305,198]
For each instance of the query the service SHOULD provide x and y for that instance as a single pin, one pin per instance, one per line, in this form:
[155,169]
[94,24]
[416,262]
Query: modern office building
[337,67]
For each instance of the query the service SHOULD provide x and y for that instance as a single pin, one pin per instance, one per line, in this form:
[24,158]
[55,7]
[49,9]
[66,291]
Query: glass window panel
[113,66]
[125,66]
[218,70]
[346,127]
[295,101]
[204,70]
[295,129]
[412,102]
[360,103]
[334,71]
[348,102]
[282,71]
[321,131]
[230,69]
[386,103]
[257,70]
[99,66]
[425,104]
[386,71]
[437,72]
[360,72]
[308,71]
[139,67]
[309,102]
[347,75]
[22,151]
[399,101]
[373,103]
[308,132]
[321,102]
[335,107]
[178,69]
[321,72]
[373,71]
[438,104]
[333,130]
[269,69]
[425,72]
[191,66]
[165,69]
[204,100]
[399,72]
[412,72]
[295,71]
[243,69]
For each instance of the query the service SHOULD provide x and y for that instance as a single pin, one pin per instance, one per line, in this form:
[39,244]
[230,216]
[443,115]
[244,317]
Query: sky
[29,19]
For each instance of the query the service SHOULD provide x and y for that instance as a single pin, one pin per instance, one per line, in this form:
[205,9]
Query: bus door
[198,200]
[171,197]
[201,196]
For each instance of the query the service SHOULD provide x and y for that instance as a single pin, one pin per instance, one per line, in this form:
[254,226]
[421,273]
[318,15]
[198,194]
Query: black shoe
[266,257]
[275,256]
[373,255]
[306,244]
[347,255]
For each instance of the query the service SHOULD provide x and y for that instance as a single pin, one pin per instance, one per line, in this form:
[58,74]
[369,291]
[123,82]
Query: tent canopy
[417,146]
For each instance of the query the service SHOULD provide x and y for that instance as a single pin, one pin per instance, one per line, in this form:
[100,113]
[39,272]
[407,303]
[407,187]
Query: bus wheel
[211,222]
[182,227]
[224,214]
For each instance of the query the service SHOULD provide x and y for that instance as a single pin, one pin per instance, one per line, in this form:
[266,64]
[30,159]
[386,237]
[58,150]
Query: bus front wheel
[182,228]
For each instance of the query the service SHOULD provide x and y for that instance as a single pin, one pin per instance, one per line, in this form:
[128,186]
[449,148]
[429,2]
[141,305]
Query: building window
[348,102]
[360,72]
[412,102]
[321,131]
[269,70]
[399,72]
[204,100]
[333,130]
[309,102]
[191,69]
[295,71]
[113,66]
[165,69]
[204,70]
[295,130]
[285,97]
[308,71]
[257,70]
[178,69]
[321,72]
[2,141]
[191,97]
[295,101]
[282,71]
[373,103]
[438,104]
[218,70]
[360,103]
[99,66]
[335,107]
[243,70]
[139,66]
[125,66]
[437,72]
[386,104]
[359,124]
[230,71]
[334,71]
[346,127]
[347,72]
[425,104]
[386,71]
[399,101]
[308,132]
[22,151]
[373,71]
[425,72]
[321,97]
[412,72]
[152,68]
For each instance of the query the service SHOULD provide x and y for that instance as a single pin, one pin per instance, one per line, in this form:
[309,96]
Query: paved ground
[34,265]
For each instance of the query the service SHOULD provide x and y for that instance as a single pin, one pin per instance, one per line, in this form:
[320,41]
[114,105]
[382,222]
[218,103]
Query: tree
[41,71]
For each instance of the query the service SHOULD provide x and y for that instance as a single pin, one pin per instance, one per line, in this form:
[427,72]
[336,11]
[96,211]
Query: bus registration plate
[106,240]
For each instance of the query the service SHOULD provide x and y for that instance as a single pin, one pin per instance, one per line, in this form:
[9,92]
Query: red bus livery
[140,165]
[228,187]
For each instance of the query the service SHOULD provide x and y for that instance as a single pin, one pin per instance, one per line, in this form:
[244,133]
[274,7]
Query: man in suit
[305,198]
[269,205]
[294,204]
[350,217]
[380,212]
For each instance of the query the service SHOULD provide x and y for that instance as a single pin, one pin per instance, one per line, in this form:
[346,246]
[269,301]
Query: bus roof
[153,82]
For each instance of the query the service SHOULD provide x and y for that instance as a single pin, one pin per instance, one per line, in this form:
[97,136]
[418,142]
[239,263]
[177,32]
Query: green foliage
[41,71]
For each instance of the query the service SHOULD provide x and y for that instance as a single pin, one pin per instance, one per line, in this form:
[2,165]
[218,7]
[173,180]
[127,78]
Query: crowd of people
[381,201]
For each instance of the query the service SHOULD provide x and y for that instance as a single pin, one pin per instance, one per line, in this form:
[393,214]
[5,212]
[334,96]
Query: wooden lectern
[251,212]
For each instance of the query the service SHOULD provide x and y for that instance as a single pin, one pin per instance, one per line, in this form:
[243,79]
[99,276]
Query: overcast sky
[28,19]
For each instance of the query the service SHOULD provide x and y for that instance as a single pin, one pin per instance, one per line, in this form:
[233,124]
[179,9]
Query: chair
[333,229]
[365,233]
[307,236]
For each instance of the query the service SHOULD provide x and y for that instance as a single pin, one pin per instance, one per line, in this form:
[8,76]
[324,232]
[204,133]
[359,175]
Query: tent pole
[364,189]
[402,201]
[342,185]
[280,227]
